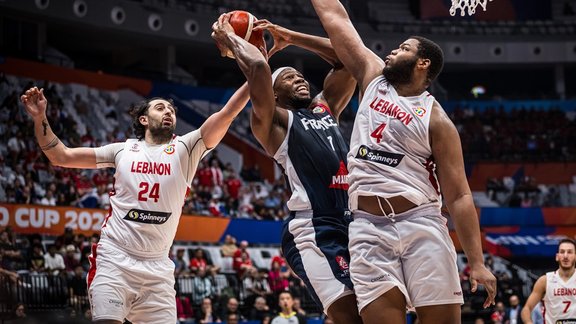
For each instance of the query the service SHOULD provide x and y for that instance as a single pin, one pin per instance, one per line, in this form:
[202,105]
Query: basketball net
[471,5]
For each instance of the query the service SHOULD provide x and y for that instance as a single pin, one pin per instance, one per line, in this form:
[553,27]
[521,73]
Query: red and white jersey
[150,186]
[559,303]
[390,153]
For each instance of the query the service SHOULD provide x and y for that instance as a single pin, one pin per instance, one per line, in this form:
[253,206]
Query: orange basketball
[243,23]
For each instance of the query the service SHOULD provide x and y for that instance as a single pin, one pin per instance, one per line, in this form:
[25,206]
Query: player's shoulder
[438,115]
[188,141]
[435,104]
[542,281]
[372,74]
[189,137]
[117,147]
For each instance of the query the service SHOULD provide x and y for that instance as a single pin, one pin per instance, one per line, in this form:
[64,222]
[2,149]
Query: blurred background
[509,85]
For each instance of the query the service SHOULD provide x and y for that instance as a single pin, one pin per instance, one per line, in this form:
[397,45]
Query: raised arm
[447,153]
[284,37]
[216,126]
[339,84]
[538,292]
[356,57]
[264,116]
[58,153]
[339,87]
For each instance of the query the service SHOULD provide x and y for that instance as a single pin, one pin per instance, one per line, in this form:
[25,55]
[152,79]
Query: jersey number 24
[149,191]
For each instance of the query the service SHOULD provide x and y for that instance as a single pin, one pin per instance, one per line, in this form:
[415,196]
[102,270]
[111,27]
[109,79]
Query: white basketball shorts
[414,253]
[122,287]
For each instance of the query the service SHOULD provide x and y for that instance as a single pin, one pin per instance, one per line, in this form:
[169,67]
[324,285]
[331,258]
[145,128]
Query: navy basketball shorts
[316,248]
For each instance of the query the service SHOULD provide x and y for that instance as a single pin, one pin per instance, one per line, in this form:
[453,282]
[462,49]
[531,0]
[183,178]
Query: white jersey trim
[299,199]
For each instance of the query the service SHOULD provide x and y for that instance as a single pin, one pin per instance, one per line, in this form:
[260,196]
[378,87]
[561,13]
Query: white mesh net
[467,5]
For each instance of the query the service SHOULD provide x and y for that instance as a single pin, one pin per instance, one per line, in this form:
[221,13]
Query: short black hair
[140,109]
[567,240]
[288,292]
[428,49]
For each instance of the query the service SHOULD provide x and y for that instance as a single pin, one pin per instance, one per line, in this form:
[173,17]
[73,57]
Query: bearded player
[131,276]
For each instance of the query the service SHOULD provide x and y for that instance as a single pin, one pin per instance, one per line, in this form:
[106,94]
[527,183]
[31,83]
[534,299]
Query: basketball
[243,23]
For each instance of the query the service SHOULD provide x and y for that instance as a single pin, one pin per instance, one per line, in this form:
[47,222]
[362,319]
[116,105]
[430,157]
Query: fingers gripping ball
[243,24]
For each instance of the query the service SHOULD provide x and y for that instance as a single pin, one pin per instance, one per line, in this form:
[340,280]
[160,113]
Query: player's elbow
[258,67]
[56,159]
[458,196]
[59,158]
[526,312]
[339,15]
[58,163]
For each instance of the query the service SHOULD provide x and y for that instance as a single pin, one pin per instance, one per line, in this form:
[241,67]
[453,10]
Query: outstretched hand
[280,35]
[220,30]
[483,276]
[34,102]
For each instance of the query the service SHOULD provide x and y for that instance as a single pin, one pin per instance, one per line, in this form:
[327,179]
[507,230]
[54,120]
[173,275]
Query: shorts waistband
[384,220]
[149,256]
[302,214]
[311,213]
[377,205]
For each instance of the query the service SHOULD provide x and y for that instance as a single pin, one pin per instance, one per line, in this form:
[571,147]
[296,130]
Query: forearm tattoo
[50,145]
[44,127]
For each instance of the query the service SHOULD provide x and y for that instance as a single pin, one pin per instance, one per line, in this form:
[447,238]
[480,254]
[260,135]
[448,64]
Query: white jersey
[559,302]
[390,153]
[150,186]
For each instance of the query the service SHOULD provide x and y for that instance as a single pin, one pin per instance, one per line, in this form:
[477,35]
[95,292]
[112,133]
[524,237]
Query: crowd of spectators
[27,177]
[522,192]
[520,135]
[509,294]
[218,190]
[33,270]
[248,292]
[55,271]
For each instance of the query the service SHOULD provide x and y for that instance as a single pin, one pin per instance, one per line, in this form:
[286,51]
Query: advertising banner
[530,232]
[49,220]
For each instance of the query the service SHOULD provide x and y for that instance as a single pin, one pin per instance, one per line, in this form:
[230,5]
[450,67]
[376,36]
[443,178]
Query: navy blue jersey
[313,156]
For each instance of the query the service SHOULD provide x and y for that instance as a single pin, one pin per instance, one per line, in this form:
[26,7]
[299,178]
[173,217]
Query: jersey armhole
[284,146]
[374,83]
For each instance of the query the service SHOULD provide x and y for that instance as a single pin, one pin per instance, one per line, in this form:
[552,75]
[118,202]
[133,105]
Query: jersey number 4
[377,133]
[149,192]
